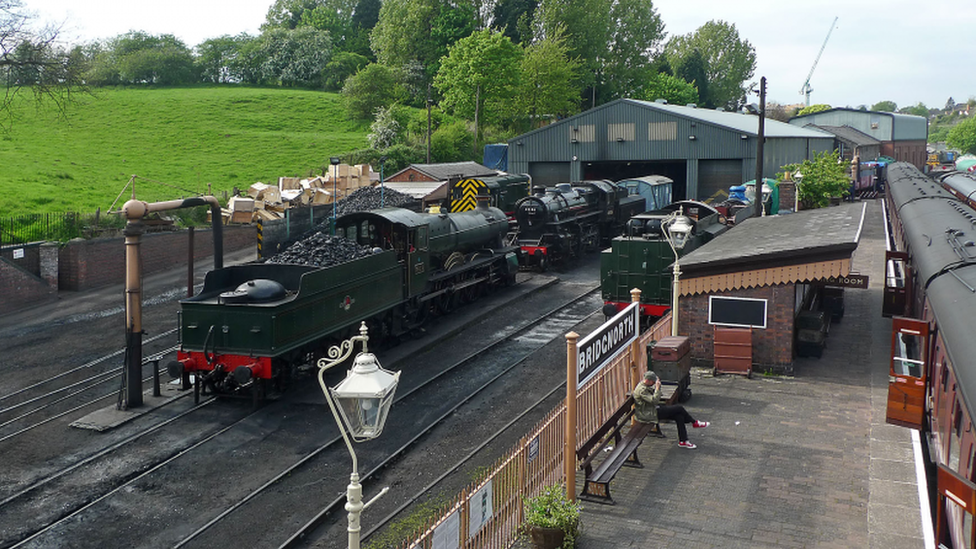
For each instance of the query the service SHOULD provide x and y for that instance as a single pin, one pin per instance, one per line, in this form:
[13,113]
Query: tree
[137,57]
[671,88]
[287,14]
[295,57]
[372,87]
[420,31]
[963,136]
[549,83]
[514,19]
[31,59]
[478,78]
[384,132]
[693,68]
[918,109]
[823,178]
[818,107]
[586,27]
[636,33]
[216,58]
[950,104]
[729,62]
[885,106]
[343,65]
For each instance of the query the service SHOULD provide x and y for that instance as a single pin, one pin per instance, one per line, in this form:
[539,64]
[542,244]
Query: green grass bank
[178,141]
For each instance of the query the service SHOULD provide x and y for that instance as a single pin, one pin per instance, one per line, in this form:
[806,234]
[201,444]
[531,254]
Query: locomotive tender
[562,222]
[932,376]
[253,325]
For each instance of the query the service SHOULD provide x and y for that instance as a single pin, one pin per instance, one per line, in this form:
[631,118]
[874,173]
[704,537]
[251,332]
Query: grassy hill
[179,142]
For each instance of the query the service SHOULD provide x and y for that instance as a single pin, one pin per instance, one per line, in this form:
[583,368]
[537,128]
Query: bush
[551,509]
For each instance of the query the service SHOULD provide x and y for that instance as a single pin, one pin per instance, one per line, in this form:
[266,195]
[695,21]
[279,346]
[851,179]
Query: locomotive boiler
[562,222]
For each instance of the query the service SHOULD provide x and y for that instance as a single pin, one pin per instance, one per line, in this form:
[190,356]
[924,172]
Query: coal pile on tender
[369,198]
[321,250]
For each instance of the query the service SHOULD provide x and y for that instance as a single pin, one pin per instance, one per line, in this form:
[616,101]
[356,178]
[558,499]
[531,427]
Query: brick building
[773,265]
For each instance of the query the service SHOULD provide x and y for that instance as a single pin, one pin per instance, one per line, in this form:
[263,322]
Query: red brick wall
[772,347]
[410,174]
[20,288]
[87,264]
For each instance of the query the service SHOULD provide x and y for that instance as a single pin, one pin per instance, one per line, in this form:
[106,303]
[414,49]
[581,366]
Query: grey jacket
[646,400]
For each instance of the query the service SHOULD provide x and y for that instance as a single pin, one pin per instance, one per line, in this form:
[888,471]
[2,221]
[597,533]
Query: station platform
[799,461]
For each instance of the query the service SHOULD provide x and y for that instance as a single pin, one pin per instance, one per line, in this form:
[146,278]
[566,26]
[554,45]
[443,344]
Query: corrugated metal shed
[703,151]
[883,126]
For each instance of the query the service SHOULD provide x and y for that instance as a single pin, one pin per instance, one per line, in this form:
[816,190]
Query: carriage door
[895,298]
[907,372]
[957,497]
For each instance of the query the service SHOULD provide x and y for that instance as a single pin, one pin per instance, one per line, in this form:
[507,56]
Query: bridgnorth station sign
[600,347]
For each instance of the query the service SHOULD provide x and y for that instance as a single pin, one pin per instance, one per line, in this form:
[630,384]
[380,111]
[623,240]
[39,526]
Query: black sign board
[597,349]
[849,281]
[737,311]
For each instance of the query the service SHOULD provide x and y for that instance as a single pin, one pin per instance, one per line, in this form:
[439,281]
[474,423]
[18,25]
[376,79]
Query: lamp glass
[365,397]
[679,230]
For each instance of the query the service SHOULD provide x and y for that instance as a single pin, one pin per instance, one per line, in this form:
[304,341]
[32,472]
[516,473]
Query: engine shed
[704,151]
[761,275]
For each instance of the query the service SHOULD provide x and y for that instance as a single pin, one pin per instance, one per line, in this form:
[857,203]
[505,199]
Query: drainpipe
[135,211]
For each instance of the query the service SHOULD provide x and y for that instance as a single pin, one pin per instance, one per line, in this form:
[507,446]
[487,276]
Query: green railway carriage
[642,258]
[254,324]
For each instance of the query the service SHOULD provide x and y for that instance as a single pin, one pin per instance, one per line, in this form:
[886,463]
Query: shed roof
[849,134]
[419,189]
[736,121]
[799,247]
[446,170]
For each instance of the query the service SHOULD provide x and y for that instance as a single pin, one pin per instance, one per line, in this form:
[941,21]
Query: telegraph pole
[760,206]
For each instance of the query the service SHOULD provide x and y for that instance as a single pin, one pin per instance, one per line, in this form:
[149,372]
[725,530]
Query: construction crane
[806,89]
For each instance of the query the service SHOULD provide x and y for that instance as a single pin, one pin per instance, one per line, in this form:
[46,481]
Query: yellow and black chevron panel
[464,195]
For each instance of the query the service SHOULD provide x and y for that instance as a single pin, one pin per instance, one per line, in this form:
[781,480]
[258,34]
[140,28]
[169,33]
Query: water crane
[806,89]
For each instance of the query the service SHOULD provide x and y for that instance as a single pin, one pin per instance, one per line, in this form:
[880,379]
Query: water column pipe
[134,211]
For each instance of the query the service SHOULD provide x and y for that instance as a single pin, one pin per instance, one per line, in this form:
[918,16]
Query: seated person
[648,409]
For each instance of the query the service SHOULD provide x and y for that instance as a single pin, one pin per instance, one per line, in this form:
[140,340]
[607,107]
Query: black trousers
[680,417]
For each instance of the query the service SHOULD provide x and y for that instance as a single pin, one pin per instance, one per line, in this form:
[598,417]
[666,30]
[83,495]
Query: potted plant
[552,521]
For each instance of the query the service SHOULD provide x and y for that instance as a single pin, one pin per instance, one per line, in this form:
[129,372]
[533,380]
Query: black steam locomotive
[562,222]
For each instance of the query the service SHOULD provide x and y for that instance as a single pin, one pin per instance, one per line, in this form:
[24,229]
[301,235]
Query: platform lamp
[796,191]
[360,405]
[382,162]
[677,228]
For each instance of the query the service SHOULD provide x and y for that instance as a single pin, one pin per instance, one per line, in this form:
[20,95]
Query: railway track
[324,467]
[71,391]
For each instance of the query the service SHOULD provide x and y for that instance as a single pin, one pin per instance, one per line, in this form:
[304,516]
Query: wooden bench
[597,485]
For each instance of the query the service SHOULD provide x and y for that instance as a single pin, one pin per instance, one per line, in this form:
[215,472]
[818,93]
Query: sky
[895,50]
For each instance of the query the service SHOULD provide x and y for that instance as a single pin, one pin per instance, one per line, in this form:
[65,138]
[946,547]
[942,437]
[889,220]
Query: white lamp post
[363,401]
[796,192]
[677,228]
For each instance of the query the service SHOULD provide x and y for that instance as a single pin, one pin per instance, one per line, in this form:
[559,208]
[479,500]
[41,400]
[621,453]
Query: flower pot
[546,538]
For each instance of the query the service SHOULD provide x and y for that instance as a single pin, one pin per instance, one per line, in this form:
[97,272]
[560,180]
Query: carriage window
[954,432]
[908,355]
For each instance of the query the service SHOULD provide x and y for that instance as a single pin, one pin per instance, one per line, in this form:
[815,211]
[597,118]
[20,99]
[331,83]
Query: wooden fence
[488,514]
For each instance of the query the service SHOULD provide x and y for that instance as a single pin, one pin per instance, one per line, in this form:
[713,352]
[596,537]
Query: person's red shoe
[687,444]
[700,424]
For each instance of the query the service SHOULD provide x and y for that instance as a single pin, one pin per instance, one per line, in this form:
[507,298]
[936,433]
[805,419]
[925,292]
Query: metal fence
[488,513]
[25,228]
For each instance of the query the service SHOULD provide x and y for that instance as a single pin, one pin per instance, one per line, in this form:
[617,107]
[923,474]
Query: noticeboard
[741,312]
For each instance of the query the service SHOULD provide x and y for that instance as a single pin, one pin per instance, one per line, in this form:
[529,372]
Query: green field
[178,142]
